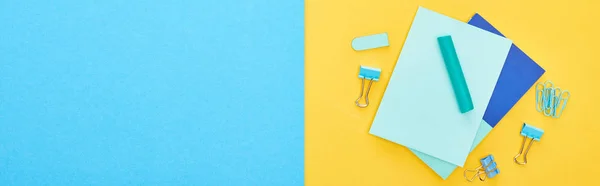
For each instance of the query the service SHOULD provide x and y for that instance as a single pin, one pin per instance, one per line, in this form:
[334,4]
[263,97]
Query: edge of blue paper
[445,169]
[503,97]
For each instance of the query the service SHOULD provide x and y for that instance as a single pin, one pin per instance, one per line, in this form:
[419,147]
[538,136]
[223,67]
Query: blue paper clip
[371,74]
[550,100]
[488,169]
[532,132]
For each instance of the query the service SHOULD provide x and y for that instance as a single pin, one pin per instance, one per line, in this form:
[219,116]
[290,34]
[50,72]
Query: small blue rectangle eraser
[532,132]
[369,73]
[370,42]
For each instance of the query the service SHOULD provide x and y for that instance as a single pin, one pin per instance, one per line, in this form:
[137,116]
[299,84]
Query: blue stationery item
[370,42]
[492,170]
[457,77]
[532,132]
[366,73]
[369,73]
[564,97]
[119,92]
[550,100]
[404,115]
[519,73]
[488,168]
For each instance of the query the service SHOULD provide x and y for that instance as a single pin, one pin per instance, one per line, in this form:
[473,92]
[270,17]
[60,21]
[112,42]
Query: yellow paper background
[561,36]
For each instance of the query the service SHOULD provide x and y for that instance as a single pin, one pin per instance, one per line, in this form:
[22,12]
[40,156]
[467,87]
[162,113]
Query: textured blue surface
[152,93]
[532,132]
[519,73]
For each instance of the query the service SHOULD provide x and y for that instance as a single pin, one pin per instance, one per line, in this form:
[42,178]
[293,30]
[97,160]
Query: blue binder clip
[488,169]
[532,132]
[371,74]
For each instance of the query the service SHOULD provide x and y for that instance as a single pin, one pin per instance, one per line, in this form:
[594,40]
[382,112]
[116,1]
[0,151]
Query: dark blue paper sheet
[519,74]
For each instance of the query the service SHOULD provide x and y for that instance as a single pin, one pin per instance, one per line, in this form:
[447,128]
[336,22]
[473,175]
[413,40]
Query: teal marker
[457,78]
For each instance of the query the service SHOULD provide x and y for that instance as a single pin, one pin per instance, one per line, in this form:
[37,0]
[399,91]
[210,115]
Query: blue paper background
[152,93]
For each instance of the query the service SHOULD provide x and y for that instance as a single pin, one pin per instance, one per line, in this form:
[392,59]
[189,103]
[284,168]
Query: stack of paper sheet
[518,75]
[419,109]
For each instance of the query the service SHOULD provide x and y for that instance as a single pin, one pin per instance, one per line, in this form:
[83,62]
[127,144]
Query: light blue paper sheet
[519,73]
[185,92]
[418,109]
[443,168]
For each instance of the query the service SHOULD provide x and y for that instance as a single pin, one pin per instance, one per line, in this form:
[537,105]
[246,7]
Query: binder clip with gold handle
[367,73]
[532,132]
[488,169]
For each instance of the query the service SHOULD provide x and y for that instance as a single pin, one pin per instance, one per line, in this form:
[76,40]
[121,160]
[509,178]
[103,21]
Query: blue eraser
[532,132]
[369,73]
[370,42]
[492,170]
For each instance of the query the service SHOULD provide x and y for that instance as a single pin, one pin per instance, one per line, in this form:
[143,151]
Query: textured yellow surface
[561,36]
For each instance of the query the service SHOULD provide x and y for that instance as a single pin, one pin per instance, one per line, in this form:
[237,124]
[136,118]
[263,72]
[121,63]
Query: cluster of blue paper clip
[550,100]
